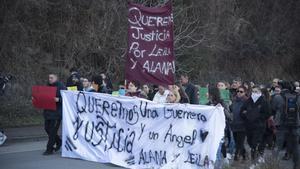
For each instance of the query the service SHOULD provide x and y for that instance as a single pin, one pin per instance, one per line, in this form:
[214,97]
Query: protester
[227,84]
[173,97]
[214,98]
[74,79]
[234,86]
[228,133]
[53,117]
[248,87]
[275,83]
[161,95]
[285,108]
[153,92]
[175,90]
[133,90]
[277,112]
[277,105]
[183,96]
[255,112]
[96,84]
[269,134]
[106,85]
[122,88]
[4,79]
[237,125]
[246,84]
[147,91]
[221,85]
[190,89]
[86,84]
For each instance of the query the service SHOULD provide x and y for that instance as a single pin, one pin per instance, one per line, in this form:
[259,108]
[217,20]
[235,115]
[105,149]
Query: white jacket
[158,98]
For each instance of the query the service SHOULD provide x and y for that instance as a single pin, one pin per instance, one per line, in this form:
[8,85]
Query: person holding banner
[161,95]
[183,96]
[133,90]
[175,90]
[106,86]
[96,84]
[214,98]
[190,89]
[173,97]
[154,90]
[101,85]
[147,91]
[53,117]
[86,84]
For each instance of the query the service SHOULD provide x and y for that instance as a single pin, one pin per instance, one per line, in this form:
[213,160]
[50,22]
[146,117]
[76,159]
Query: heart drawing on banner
[203,135]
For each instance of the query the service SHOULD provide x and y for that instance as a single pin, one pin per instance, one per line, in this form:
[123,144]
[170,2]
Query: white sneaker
[252,166]
[229,156]
[261,160]
[2,138]
[226,161]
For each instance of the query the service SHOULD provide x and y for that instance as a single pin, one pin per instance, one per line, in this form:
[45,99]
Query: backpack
[291,110]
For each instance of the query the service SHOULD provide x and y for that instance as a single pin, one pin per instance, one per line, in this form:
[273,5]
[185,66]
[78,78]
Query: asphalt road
[28,155]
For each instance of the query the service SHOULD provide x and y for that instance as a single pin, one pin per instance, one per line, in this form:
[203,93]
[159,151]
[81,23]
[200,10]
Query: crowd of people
[260,116]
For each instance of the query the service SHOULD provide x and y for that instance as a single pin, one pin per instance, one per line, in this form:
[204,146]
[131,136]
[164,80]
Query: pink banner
[150,53]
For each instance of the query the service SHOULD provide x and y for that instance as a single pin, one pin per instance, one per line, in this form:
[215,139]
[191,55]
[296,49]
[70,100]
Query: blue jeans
[218,163]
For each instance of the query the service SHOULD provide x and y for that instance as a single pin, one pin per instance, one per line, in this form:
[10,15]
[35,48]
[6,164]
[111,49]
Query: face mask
[122,92]
[255,96]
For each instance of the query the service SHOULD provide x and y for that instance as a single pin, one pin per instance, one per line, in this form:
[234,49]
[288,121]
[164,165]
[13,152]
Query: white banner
[136,133]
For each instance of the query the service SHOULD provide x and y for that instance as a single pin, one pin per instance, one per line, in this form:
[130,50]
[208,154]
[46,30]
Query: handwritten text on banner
[150,55]
[136,133]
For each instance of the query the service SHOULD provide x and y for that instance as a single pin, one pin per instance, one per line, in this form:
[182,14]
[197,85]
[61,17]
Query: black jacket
[237,123]
[184,100]
[192,92]
[55,114]
[108,88]
[232,93]
[280,110]
[255,114]
[71,81]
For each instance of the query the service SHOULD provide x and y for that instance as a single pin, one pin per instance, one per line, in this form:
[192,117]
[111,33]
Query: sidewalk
[32,133]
